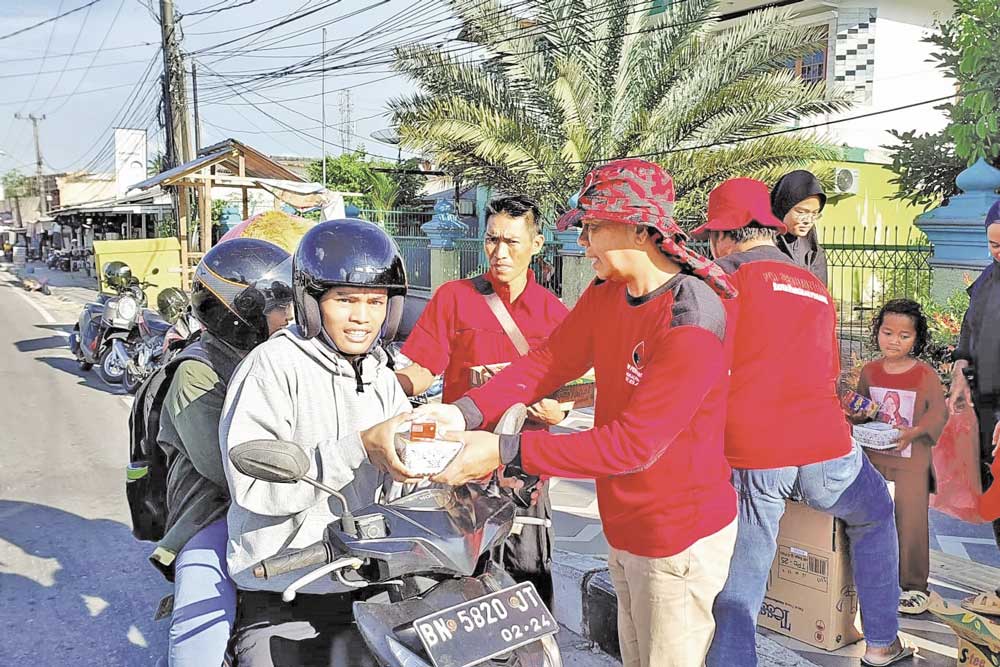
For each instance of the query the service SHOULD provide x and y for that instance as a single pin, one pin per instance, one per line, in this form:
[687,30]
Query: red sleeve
[565,356]
[429,344]
[687,365]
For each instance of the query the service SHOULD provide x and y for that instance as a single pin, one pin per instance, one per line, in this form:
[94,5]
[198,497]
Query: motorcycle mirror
[155,271]
[284,463]
[271,460]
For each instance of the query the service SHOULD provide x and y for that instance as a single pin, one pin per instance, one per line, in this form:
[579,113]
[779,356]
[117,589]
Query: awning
[225,154]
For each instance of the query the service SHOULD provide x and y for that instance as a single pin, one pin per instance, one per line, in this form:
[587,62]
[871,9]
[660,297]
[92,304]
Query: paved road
[75,587]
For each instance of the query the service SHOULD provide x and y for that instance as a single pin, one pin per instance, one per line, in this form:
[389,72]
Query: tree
[354,172]
[926,165]
[543,100]
[16,184]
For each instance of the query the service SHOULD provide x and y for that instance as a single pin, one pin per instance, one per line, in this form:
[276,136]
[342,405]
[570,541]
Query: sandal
[913,602]
[984,603]
[904,653]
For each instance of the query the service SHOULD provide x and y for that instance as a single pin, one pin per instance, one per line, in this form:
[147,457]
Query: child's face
[896,336]
[353,316]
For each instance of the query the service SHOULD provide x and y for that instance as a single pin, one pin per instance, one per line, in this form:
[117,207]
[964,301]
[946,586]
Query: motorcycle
[105,331]
[148,353]
[473,613]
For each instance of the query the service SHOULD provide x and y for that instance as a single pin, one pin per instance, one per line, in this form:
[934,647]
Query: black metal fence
[868,268]
[417,258]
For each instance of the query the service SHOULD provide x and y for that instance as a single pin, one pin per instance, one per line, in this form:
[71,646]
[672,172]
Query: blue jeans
[848,488]
[204,600]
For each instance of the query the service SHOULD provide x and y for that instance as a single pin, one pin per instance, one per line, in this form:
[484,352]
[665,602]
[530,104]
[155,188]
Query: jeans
[848,488]
[204,600]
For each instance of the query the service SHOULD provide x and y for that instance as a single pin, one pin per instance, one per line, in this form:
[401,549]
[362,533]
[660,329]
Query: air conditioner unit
[846,181]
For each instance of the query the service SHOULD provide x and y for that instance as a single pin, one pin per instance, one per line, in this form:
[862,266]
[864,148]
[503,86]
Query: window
[812,67]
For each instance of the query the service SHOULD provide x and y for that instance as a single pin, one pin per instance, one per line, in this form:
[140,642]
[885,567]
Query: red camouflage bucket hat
[637,192]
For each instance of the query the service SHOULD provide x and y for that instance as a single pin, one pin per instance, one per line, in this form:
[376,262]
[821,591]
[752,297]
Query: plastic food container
[421,452]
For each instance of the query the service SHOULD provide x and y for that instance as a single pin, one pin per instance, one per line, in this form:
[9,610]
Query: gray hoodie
[300,390]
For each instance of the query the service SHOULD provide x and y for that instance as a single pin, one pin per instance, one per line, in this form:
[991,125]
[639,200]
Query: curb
[586,604]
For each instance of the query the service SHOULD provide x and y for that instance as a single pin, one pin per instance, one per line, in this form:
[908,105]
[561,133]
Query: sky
[100,67]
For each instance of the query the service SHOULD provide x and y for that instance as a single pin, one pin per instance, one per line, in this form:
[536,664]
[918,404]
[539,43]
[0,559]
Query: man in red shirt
[786,434]
[458,330]
[652,329]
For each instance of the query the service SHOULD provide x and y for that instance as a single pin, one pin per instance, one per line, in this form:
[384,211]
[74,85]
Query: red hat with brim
[735,204]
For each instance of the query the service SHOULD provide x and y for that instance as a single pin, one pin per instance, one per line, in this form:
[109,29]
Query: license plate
[486,627]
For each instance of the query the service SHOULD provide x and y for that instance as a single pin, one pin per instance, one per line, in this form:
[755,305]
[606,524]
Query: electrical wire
[71,69]
[93,58]
[50,20]
[79,53]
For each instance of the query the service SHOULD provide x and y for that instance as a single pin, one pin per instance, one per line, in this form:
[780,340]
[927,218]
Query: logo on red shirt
[633,370]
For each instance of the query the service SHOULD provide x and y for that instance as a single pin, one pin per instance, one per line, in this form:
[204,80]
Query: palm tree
[529,105]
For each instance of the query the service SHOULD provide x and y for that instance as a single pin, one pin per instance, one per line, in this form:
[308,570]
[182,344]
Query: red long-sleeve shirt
[781,335]
[656,449]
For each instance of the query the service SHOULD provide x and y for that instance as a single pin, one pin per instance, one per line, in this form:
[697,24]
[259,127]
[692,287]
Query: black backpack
[146,475]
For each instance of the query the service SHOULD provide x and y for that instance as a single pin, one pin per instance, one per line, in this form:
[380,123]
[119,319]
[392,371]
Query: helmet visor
[276,286]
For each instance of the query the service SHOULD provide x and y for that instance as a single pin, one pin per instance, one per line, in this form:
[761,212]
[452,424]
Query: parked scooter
[106,327]
[474,613]
[146,354]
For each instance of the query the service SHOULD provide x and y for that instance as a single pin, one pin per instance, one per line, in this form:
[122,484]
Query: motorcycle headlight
[127,307]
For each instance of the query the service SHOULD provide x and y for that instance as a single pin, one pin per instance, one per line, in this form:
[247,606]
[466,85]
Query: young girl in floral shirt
[912,400]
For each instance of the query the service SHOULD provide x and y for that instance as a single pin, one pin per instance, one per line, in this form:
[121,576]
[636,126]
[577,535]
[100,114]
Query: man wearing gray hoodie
[323,384]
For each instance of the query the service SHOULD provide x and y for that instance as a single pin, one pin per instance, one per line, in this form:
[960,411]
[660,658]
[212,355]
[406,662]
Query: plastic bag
[956,464]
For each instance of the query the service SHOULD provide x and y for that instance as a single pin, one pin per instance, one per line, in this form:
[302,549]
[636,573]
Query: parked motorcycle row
[124,339]
[62,260]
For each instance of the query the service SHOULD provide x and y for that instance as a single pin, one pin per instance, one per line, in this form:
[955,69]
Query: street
[74,586]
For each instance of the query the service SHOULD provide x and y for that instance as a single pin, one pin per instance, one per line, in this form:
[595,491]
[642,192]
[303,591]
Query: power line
[78,53]
[71,69]
[216,11]
[76,40]
[50,20]
[286,21]
[93,58]
[765,135]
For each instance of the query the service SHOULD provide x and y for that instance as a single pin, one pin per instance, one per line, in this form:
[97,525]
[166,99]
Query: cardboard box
[573,396]
[810,593]
[978,636]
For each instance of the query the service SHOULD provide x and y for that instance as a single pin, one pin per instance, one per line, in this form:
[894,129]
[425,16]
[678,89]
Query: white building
[874,50]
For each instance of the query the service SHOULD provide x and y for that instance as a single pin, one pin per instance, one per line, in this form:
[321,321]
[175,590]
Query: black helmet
[170,303]
[117,274]
[236,284]
[346,252]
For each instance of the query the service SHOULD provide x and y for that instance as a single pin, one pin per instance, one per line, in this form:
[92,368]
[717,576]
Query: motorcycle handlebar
[320,553]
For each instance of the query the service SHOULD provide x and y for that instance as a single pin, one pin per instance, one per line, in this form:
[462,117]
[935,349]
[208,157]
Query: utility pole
[174,90]
[194,94]
[322,102]
[38,160]
[345,121]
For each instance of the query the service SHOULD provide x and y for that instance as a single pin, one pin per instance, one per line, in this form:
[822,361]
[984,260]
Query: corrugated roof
[224,155]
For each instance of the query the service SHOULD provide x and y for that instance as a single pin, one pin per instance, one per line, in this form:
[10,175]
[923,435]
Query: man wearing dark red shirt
[652,329]
[786,434]
[458,330]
